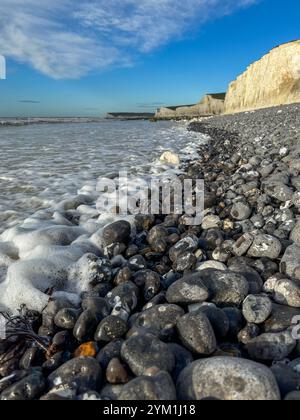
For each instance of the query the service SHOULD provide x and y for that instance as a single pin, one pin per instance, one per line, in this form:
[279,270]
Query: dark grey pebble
[149,280]
[123,275]
[196,333]
[51,310]
[236,321]
[30,358]
[29,388]
[111,392]
[218,319]
[293,396]
[185,262]
[144,222]
[291,260]
[62,340]
[131,251]
[82,372]
[159,318]
[187,290]
[143,352]
[288,380]
[85,326]
[183,358]
[281,318]
[241,211]
[185,246]
[108,352]
[66,318]
[119,231]
[97,305]
[145,388]
[56,361]
[124,295]
[111,328]
[251,275]
[11,379]
[137,262]
[271,346]
[89,396]
[226,287]
[248,333]
[156,233]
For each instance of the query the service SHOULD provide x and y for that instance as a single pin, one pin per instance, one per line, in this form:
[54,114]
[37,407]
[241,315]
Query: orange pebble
[86,349]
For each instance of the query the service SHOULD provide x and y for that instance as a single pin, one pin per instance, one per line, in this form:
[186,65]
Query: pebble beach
[149,308]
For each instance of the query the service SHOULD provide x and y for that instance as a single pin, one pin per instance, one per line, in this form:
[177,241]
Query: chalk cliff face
[273,80]
[211,104]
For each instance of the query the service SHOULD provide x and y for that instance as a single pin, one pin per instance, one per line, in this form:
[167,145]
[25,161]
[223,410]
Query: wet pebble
[272,346]
[66,318]
[119,231]
[265,246]
[116,373]
[288,380]
[285,292]
[111,328]
[257,308]
[189,289]
[241,211]
[85,326]
[226,378]
[218,319]
[29,388]
[137,263]
[196,333]
[159,319]
[242,245]
[145,351]
[145,388]
[290,261]
[125,295]
[82,372]
[108,352]
[248,333]
[123,275]
[226,287]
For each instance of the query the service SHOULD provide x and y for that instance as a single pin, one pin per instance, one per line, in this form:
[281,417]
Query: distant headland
[130,116]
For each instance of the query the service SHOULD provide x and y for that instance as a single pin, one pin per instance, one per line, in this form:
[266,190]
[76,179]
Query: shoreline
[161,306]
[21,122]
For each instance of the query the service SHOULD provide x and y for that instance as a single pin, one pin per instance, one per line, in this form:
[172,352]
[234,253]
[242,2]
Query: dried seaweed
[19,336]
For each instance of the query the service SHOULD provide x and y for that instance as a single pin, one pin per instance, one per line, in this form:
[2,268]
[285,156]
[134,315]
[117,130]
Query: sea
[42,164]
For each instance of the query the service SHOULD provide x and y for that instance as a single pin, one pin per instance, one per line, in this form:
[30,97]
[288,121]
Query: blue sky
[84,58]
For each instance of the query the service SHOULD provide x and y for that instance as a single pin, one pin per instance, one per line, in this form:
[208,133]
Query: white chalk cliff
[273,80]
[211,104]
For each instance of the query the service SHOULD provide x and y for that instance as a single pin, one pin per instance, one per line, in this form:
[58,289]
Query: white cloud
[68,39]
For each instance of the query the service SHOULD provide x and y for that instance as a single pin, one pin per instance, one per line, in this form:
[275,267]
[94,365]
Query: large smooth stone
[227,378]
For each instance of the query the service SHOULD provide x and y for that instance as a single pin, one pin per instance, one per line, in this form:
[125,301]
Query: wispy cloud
[66,40]
[29,101]
[150,105]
